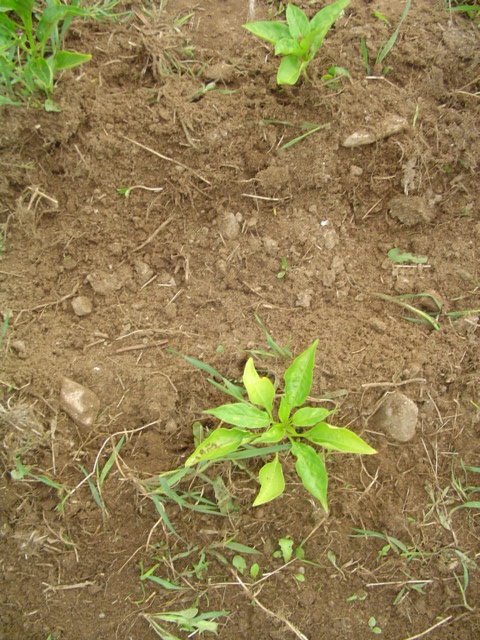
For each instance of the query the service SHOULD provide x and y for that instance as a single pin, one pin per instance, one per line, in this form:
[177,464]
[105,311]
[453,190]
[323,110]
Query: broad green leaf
[219,443]
[42,74]
[269,31]
[260,390]
[241,414]
[283,410]
[239,564]
[286,546]
[288,46]
[337,439]
[289,70]
[399,256]
[272,483]
[274,434]
[298,377]
[69,59]
[311,470]
[322,21]
[297,22]
[309,416]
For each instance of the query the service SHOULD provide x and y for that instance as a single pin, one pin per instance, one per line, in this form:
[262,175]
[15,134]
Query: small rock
[271,246]
[355,171]
[410,210]
[81,404]
[82,306]
[19,347]
[115,249]
[304,300]
[330,239]
[397,417]
[144,272]
[391,125]
[229,226]
[313,209]
[378,325]
[273,178]
[104,283]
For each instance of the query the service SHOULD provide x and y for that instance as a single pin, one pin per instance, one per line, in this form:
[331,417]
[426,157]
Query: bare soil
[186,268]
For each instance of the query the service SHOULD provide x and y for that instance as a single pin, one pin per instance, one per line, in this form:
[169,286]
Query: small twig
[435,626]
[160,155]
[372,385]
[154,234]
[278,616]
[138,347]
[67,587]
[250,195]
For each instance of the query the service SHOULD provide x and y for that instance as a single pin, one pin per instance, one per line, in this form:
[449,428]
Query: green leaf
[299,376]
[260,390]
[239,564]
[272,483]
[289,70]
[42,74]
[270,31]
[398,256]
[337,439]
[274,434]
[311,470]
[297,22]
[322,22]
[241,414]
[288,46]
[219,443]
[286,546]
[309,416]
[283,410]
[68,59]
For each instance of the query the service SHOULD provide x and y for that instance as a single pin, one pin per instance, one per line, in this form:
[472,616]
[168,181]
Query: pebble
[81,404]
[82,306]
[19,347]
[229,226]
[378,325]
[328,278]
[304,300]
[144,272]
[397,417]
[391,125]
[271,246]
[410,210]
[104,283]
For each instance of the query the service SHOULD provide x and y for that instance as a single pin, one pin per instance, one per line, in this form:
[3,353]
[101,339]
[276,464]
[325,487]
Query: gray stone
[105,283]
[143,271]
[81,404]
[410,210]
[397,417]
[391,125]
[229,226]
[82,306]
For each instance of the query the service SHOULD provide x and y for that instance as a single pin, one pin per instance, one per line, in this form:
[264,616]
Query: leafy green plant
[254,423]
[333,75]
[299,40]
[284,270]
[185,620]
[31,36]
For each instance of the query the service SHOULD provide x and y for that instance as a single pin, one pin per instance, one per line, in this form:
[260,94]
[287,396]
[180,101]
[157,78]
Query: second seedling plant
[263,421]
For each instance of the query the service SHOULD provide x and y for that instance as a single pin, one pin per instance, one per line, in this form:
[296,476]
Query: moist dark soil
[180,104]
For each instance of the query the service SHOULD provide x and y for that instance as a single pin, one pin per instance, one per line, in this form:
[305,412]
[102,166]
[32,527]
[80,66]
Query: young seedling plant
[299,40]
[269,418]
[31,54]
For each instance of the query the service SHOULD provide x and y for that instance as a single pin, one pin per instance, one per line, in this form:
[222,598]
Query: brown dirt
[233,205]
